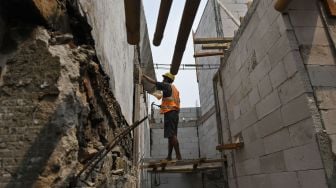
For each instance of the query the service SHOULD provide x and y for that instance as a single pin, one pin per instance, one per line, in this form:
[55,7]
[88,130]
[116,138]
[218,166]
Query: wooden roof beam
[281,5]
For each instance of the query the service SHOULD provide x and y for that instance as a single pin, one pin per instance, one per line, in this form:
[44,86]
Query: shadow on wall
[36,163]
[318,53]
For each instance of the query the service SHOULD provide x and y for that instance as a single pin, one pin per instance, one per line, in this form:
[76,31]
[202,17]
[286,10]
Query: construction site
[82,103]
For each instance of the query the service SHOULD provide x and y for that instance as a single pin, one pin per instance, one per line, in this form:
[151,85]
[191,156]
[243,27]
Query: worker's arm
[149,79]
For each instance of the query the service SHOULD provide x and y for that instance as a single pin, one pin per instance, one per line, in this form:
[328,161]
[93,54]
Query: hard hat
[169,75]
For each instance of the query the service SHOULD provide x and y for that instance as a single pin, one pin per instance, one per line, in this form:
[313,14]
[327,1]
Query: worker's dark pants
[171,120]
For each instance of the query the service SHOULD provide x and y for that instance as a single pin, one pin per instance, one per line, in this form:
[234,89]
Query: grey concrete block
[291,88]
[302,132]
[329,120]
[303,5]
[296,110]
[303,158]
[317,55]
[284,179]
[260,181]
[290,61]
[250,134]
[332,138]
[260,70]
[244,181]
[268,104]
[279,50]
[322,75]
[254,96]
[311,36]
[274,162]
[244,121]
[277,141]
[270,123]
[265,86]
[326,97]
[305,18]
[278,74]
[250,150]
[312,179]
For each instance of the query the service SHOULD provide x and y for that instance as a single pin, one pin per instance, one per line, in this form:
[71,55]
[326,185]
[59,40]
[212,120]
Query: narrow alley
[162,94]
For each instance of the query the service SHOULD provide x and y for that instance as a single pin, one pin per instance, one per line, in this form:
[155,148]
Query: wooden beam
[212,40]
[281,5]
[331,7]
[215,46]
[206,54]
[230,146]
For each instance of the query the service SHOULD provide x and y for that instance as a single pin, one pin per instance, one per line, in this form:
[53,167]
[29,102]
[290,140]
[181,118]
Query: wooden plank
[165,163]
[212,40]
[331,7]
[215,46]
[206,54]
[230,146]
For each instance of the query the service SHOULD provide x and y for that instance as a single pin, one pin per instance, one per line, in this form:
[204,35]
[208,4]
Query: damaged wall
[59,101]
[265,97]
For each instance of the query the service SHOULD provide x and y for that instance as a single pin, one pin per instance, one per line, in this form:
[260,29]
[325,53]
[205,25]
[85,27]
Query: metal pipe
[162,21]
[281,5]
[132,15]
[189,13]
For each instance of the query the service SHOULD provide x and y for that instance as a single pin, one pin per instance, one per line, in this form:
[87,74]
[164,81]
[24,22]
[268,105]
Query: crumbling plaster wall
[113,51]
[267,93]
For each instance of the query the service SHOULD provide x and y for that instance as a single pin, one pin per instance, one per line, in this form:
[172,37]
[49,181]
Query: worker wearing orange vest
[170,107]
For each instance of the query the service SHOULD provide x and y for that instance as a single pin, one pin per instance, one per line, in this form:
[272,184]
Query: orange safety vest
[172,102]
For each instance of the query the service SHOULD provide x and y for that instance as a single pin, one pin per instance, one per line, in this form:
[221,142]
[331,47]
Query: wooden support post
[215,46]
[205,54]
[212,40]
[331,7]
[281,5]
[230,146]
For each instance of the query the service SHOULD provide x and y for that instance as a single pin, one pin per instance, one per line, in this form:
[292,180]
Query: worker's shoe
[179,157]
[169,158]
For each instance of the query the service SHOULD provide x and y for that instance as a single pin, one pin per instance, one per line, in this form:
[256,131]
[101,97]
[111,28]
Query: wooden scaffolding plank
[215,46]
[183,165]
[230,146]
[212,40]
[206,54]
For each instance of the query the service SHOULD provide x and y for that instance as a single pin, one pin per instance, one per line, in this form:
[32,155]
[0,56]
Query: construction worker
[170,107]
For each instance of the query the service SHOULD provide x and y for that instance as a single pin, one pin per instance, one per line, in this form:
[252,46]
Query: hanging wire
[188,66]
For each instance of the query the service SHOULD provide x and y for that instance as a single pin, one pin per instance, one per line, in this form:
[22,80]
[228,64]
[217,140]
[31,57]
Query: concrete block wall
[270,102]
[187,135]
[209,26]
[317,51]
[238,9]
